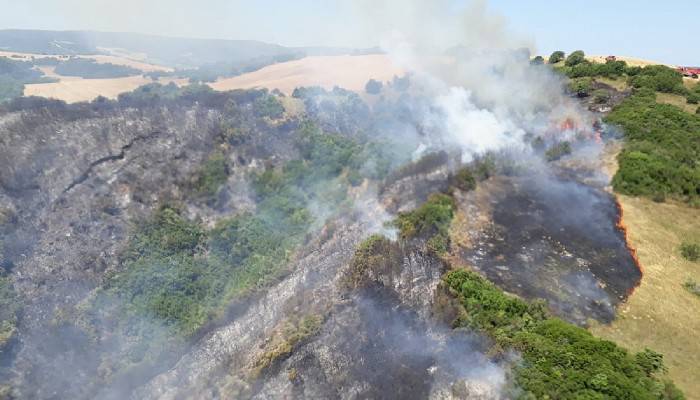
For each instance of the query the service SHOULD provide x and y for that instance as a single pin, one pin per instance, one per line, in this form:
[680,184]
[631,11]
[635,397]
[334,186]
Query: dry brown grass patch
[676,100]
[661,314]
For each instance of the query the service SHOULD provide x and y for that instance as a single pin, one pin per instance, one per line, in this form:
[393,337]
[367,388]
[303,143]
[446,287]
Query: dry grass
[676,100]
[349,72]
[619,84]
[690,83]
[631,61]
[74,89]
[661,314]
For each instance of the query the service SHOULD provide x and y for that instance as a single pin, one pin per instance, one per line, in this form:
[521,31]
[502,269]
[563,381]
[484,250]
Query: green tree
[659,78]
[575,58]
[581,86]
[539,60]
[556,57]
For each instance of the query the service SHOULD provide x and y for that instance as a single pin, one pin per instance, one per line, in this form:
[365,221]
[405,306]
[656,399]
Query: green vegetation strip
[183,275]
[559,360]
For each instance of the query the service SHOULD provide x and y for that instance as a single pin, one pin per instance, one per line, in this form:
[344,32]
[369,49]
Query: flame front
[620,225]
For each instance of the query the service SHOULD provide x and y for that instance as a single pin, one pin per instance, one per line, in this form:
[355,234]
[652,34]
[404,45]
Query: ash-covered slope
[184,243]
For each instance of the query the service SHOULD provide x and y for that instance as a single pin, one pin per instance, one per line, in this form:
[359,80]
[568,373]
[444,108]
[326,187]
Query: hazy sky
[663,31]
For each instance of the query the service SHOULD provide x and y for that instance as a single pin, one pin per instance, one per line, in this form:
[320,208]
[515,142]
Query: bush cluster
[661,151]
[90,69]
[659,78]
[556,57]
[430,221]
[559,360]
[184,275]
[464,179]
[690,251]
[212,175]
[14,74]
[557,151]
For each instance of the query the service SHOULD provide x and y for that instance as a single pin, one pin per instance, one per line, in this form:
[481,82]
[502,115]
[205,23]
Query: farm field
[349,72]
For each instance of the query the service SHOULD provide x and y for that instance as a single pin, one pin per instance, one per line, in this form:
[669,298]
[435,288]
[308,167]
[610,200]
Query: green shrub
[464,179]
[581,86]
[557,151]
[633,71]
[575,58]
[10,88]
[438,244]
[556,57]
[539,60]
[213,175]
[650,361]
[610,69]
[692,286]
[268,106]
[328,153]
[183,275]
[661,151]
[559,360]
[690,251]
[430,221]
[659,78]
[433,217]
[375,254]
[90,69]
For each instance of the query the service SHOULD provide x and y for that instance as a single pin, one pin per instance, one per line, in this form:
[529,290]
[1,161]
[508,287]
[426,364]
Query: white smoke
[485,95]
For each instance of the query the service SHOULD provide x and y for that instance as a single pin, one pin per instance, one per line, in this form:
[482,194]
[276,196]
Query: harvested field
[661,314]
[349,72]
[74,89]
[631,61]
[102,59]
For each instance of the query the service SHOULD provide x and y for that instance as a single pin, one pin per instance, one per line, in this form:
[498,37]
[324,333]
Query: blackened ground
[556,239]
[373,347]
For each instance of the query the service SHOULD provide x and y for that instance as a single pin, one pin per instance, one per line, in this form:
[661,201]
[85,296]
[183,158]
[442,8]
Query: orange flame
[568,124]
[620,224]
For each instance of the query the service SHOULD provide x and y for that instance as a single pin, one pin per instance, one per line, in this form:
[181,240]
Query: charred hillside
[186,243]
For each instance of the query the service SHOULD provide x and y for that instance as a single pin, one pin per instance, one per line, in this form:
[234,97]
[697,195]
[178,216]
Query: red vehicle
[691,72]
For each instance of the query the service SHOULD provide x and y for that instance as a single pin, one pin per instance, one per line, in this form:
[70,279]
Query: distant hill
[170,51]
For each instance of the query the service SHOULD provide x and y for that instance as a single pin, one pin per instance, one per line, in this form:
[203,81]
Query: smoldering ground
[375,347]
